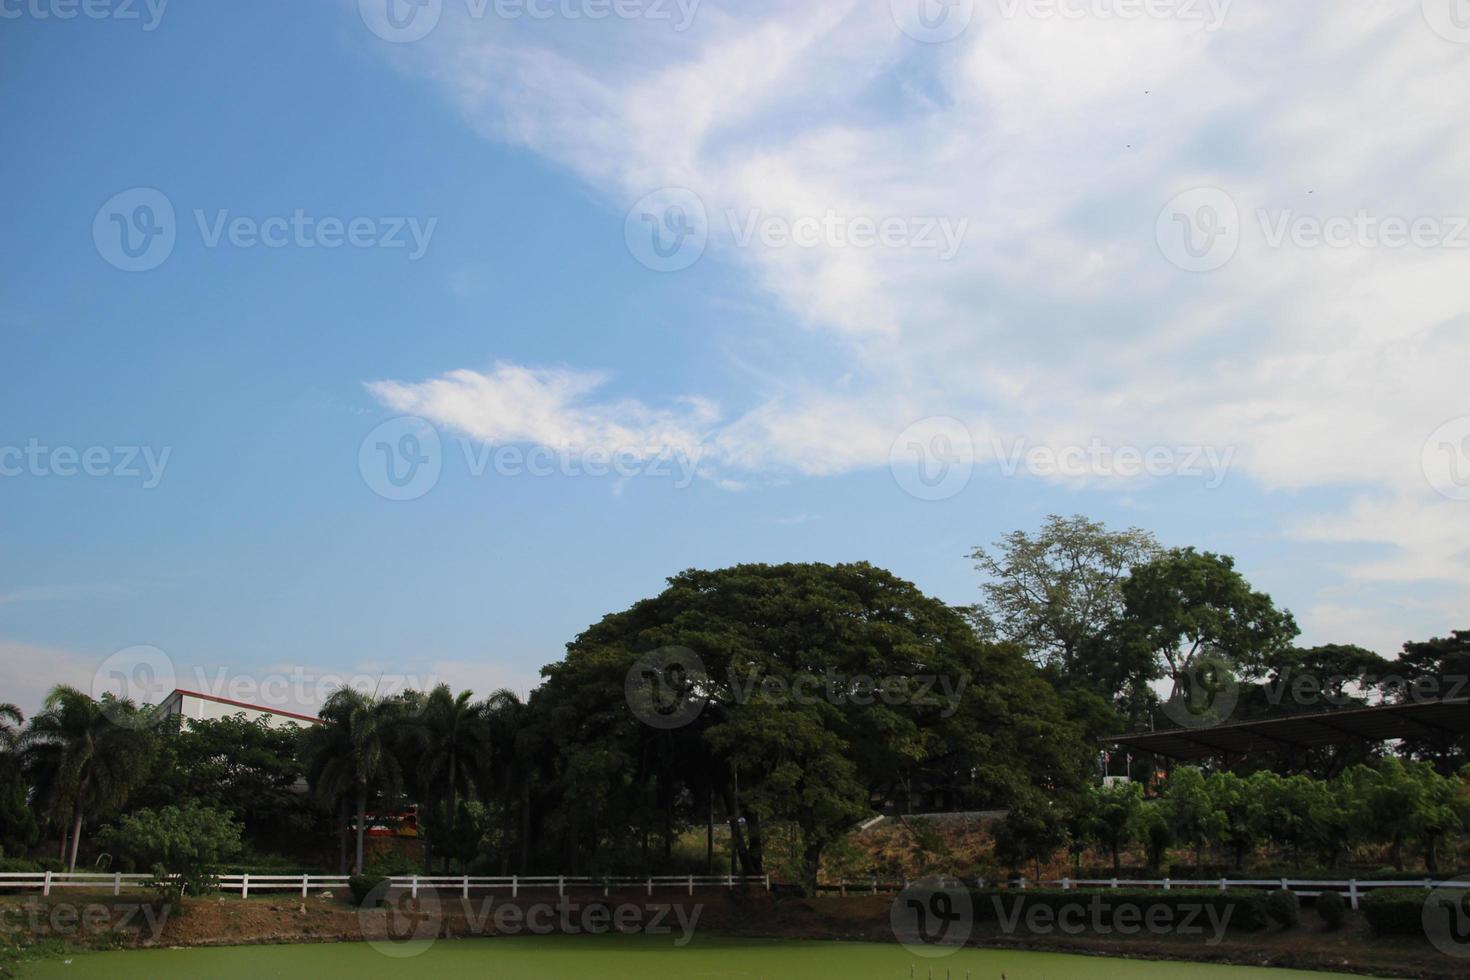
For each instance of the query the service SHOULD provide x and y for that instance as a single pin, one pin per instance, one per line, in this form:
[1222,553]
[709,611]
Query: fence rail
[1351,888]
[304,884]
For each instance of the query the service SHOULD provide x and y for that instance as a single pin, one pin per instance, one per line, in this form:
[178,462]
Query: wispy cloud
[1060,140]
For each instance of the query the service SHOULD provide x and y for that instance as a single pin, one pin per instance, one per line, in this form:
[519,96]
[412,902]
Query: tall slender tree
[352,757]
[450,741]
[86,756]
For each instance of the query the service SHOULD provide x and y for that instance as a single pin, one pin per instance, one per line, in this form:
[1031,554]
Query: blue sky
[1059,150]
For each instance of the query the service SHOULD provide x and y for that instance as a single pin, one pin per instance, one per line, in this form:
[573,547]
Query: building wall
[182,705]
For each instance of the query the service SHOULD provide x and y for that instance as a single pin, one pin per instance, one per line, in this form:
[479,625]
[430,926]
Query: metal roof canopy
[1269,735]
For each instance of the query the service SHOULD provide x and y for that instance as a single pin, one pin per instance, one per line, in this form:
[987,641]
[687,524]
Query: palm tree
[518,750]
[352,756]
[450,739]
[10,722]
[86,756]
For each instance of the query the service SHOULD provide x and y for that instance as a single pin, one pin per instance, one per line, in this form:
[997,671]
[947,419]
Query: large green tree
[18,831]
[790,726]
[449,738]
[86,757]
[1187,604]
[1058,594]
[354,757]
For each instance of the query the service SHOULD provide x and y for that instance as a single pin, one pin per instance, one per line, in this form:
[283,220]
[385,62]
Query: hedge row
[1395,911]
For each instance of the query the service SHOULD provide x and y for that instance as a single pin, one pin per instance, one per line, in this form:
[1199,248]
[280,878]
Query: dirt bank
[102,921]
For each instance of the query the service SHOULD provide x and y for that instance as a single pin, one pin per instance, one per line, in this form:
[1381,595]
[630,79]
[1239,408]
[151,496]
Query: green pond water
[627,958]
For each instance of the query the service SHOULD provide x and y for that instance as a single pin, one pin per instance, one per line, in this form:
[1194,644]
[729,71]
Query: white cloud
[1060,140]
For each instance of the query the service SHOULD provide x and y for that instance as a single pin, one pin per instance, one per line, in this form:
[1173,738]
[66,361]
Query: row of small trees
[1389,804]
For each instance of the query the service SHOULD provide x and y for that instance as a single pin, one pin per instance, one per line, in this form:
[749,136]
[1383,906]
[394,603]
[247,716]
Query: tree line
[1078,631]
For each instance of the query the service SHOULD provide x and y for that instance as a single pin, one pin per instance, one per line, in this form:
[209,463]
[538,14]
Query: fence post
[414,887]
[46,885]
[650,884]
[1066,884]
[691,884]
[245,886]
[1222,885]
[117,883]
[768,882]
[561,885]
[842,887]
[466,887]
[1353,893]
[515,886]
[1023,883]
[875,886]
[304,881]
[1115,883]
[604,886]
[1166,884]
[730,881]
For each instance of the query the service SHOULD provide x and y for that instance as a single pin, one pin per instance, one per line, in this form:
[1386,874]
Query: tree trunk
[76,838]
[811,866]
[361,822]
[709,833]
[525,827]
[342,835]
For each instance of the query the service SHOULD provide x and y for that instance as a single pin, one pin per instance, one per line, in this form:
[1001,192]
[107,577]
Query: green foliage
[1395,911]
[764,756]
[362,886]
[1332,907]
[357,755]
[246,768]
[1032,830]
[85,758]
[1116,816]
[183,845]
[1187,603]
[1058,594]
[1192,813]
[1283,908]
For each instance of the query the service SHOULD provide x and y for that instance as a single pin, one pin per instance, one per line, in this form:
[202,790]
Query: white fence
[304,884]
[1351,888]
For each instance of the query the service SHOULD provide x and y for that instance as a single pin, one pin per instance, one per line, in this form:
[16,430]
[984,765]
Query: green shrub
[1241,909]
[362,886]
[182,845]
[1283,908]
[1395,911]
[19,864]
[1333,909]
